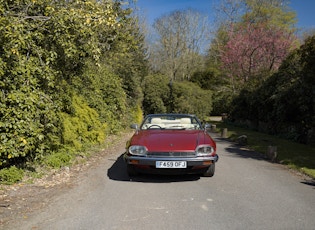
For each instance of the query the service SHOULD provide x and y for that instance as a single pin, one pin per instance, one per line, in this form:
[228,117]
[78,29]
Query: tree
[273,12]
[156,94]
[190,98]
[285,103]
[127,55]
[254,51]
[253,37]
[180,39]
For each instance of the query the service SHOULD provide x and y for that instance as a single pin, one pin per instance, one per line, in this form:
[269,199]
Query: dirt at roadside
[20,200]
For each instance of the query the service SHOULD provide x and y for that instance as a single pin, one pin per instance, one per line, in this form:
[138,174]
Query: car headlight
[204,150]
[138,150]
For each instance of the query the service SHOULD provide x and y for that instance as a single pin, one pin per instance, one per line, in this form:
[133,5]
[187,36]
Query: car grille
[171,154]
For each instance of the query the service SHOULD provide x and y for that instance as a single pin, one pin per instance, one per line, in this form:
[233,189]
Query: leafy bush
[285,103]
[27,115]
[59,159]
[161,96]
[209,79]
[11,175]
[71,49]
[156,91]
[103,92]
[136,115]
[222,102]
[83,126]
[190,98]
[212,80]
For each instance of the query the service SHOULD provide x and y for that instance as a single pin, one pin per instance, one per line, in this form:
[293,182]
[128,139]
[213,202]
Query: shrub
[11,175]
[59,159]
[222,102]
[103,92]
[136,115]
[190,98]
[156,94]
[83,126]
[284,104]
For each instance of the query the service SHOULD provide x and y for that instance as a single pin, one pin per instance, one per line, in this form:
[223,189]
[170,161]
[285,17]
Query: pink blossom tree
[254,51]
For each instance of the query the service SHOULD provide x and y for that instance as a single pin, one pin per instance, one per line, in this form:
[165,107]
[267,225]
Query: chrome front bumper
[151,161]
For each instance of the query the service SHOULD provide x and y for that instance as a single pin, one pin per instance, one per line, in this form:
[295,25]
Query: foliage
[136,115]
[156,91]
[27,124]
[253,51]
[102,90]
[208,79]
[162,95]
[127,59]
[276,13]
[11,175]
[251,40]
[190,98]
[27,110]
[82,126]
[222,101]
[284,104]
[212,80]
[58,159]
[52,51]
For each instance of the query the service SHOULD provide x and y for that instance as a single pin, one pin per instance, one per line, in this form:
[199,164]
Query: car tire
[210,171]
[131,170]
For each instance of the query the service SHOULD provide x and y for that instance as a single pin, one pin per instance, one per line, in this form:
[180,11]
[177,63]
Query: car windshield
[183,122]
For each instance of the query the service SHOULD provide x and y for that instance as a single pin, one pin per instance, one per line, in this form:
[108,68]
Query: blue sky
[152,9]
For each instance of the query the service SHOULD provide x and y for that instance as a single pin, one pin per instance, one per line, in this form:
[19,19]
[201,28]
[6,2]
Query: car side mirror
[134,126]
[207,127]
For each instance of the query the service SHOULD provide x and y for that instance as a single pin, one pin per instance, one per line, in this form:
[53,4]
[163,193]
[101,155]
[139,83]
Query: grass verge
[297,156]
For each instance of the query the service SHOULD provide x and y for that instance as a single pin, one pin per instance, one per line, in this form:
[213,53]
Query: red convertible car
[171,144]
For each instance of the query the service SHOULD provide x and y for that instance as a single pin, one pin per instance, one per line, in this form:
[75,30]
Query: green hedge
[164,96]
[60,83]
[285,103]
[190,98]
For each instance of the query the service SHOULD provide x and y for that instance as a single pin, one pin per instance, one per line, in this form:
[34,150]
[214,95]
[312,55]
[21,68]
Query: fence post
[272,153]
[224,132]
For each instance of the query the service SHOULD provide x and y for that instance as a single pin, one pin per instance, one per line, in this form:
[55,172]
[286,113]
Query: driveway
[247,192]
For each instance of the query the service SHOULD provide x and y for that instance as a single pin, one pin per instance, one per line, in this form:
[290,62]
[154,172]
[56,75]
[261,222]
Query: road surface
[247,192]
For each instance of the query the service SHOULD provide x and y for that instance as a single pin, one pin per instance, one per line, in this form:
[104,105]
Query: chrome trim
[191,161]
[171,154]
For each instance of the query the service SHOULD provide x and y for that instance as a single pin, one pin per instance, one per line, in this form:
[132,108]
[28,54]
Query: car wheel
[210,171]
[131,170]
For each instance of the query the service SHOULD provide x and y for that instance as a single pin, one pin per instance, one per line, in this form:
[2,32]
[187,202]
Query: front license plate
[171,164]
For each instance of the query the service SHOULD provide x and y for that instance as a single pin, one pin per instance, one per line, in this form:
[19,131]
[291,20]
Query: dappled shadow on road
[236,150]
[240,150]
[118,172]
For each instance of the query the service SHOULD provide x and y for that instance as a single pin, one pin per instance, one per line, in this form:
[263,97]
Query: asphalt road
[247,192]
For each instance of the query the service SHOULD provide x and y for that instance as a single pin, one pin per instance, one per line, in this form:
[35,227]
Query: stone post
[224,133]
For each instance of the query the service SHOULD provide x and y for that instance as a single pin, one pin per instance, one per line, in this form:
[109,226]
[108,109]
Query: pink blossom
[255,48]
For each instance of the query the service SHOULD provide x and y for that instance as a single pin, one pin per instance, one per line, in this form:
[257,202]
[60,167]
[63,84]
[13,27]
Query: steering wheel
[155,126]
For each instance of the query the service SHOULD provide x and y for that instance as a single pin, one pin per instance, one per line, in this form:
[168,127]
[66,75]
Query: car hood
[171,140]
